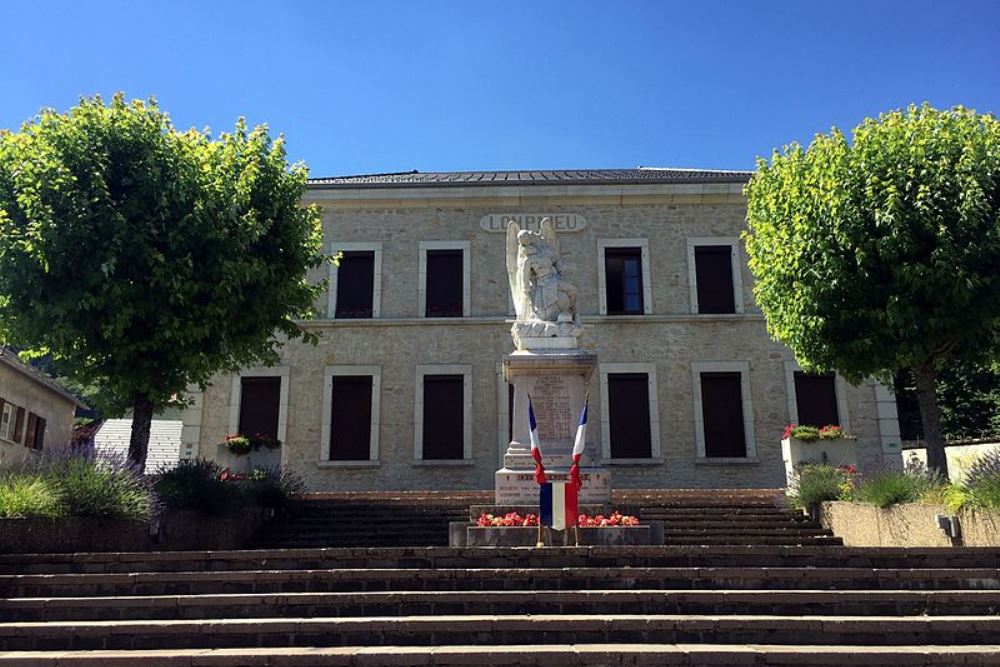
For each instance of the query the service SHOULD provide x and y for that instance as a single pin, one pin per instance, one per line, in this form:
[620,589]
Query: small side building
[35,412]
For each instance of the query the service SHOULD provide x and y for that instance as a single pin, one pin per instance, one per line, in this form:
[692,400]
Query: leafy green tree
[143,258]
[883,253]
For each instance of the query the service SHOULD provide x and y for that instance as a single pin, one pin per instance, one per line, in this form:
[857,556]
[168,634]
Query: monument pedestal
[556,379]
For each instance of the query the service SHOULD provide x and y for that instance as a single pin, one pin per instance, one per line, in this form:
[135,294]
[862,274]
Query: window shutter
[259,405]
[29,437]
[18,424]
[714,277]
[628,405]
[816,399]
[444,417]
[444,283]
[39,434]
[356,285]
[722,412]
[351,418]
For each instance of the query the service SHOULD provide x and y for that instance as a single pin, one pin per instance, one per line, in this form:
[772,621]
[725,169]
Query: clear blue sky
[386,86]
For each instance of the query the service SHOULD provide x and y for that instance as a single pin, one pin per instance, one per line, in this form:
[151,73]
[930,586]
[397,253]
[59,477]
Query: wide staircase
[690,602]
[695,517]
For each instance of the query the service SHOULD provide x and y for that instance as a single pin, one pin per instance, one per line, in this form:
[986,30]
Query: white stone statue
[544,301]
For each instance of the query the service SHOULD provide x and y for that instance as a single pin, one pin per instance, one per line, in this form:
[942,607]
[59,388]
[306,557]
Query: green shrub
[816,483]
[27,495]
[99,484]
[195,485]
[981,488]
[270,487]
[891,487]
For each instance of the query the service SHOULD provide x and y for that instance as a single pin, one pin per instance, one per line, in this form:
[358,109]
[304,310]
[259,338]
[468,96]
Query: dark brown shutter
[29,437]
[722,411]
[714,276]
[2,404]
[39,434]
[444,283]
[351,418]
[444,418]
[816,398]
[628,405]
[18,424]
[356,284]
[259,399]
[623,280]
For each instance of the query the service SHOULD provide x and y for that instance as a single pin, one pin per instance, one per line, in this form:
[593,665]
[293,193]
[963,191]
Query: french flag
[578,445]
[536,449]
[557,505]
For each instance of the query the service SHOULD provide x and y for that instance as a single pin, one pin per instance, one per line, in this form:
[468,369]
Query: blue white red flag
[557,505]
[578,445]
[536,448]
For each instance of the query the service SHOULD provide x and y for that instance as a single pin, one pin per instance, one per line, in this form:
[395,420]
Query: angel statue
[544,302]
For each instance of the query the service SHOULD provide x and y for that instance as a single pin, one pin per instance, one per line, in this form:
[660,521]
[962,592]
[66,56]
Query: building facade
[405,388]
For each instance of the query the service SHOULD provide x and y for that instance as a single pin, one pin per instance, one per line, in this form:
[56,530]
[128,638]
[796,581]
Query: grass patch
[817,483]
[24,496]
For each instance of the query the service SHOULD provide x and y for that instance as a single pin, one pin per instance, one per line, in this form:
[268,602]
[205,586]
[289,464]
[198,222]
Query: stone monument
[550,366]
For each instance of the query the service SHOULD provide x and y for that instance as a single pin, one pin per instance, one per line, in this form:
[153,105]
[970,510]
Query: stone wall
[671,337]
[25,392]
[907,525]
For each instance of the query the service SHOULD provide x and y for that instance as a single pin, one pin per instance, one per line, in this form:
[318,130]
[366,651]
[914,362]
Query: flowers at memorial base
[508,519]
[513,519]
[612,520]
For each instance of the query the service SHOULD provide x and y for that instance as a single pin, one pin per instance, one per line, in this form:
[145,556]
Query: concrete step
[421,603]
[616,654]
[493,579]
[500,629]
[505,557]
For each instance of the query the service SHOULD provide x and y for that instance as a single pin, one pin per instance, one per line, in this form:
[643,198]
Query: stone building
[405,390]
[35,412]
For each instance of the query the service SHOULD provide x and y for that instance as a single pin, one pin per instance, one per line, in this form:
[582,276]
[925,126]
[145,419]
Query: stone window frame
[655,445]
[602,285]
[465,370]
[840,389]
[9,435]
[352,246]
[737,269]
[236,395]
[466,248]
[329,372]
[743,368]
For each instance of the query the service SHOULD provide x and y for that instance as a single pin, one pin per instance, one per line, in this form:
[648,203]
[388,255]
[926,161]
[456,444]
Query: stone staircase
[758,604]
[690,517]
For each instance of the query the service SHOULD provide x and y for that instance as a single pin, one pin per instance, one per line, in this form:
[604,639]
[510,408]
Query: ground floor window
[628,405]
[443,428]
[816,398]
[351,418]
[723,410]
[260,401]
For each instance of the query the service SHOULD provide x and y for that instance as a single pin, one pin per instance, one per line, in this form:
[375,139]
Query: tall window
[444,283]
[260,399]
[816,398]
[623,281]
[722,412]
[443,417]
[351,418]
[714,276]
[356,284]
[6,420]
[628,404]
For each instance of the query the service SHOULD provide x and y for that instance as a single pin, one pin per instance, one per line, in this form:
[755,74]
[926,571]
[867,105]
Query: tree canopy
[882,252]
[143,258]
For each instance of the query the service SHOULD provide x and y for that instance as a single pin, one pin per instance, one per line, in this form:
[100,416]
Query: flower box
[838,452]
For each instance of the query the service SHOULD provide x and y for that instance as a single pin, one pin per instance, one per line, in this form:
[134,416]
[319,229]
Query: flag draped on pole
[578,445]
[536,449]
[557,505]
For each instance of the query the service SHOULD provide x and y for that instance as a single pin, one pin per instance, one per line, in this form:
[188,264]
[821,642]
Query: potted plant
[805,444]
[238,444]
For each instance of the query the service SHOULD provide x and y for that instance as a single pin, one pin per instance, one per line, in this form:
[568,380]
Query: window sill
[348,464]
[635,462]
[726,461]
[8,441]
[442,463]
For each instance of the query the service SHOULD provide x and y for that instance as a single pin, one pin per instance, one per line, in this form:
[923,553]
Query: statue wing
[549,235]
[513,275]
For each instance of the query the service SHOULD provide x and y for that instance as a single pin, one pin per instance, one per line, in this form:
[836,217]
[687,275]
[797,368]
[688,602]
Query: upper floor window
[356,281]
[624,277]
[714,273]
[444,278]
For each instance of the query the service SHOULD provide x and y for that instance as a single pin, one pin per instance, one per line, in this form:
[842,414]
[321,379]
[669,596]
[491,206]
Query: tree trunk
[142,418]
[937,460]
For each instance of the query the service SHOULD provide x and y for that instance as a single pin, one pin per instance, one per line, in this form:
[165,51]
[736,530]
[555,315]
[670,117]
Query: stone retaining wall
[906,525]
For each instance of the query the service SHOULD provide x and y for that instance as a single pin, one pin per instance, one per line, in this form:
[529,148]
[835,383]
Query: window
[442,415]
[351,418]
[623,277]
[356,285]
[630,423]
[722,414]
[623,273]
[444,278]
[628,405]
[19,425]
[816,399]
[39,439]
[7,411]
[714,276]
[260,400]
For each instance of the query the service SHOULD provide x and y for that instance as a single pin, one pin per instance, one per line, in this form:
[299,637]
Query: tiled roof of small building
[11,358]
[641,175]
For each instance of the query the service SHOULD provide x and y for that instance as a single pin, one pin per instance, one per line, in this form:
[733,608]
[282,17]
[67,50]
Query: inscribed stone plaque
[550,400]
